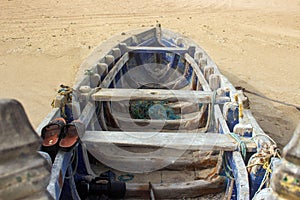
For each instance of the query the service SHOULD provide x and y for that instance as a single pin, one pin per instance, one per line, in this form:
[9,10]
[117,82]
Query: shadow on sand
[278,121]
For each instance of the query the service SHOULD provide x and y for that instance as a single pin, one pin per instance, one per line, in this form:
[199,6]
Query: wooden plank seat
[145,49]
[153,129]
[169,184]
[195,141]
[117,94]
[189,160]
[179,190]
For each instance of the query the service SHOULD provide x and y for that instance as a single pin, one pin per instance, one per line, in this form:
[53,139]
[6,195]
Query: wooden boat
[161,122]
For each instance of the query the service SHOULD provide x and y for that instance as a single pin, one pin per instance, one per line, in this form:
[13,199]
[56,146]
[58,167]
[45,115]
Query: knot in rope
[242,145]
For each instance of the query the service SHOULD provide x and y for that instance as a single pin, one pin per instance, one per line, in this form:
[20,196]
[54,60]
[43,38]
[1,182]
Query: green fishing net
[143,109]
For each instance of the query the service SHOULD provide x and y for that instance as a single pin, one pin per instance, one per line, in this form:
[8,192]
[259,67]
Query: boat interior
[153,109]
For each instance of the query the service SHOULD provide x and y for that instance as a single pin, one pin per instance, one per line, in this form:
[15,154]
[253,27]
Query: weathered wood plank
[220,120]
[164,158]
[115,69]
[107,81]
[179,190]
[87,113]
[139,49]
[116,94]
[240,174]
[185,141]
[197,71]
[59,168]
[153,129]
[190,189]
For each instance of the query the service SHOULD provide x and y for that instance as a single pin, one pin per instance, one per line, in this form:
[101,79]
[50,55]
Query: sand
[256,44]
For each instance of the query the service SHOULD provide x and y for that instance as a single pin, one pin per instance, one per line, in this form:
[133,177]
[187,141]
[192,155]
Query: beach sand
[256,44]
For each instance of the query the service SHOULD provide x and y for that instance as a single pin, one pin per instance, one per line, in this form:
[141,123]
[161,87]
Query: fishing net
[144,109]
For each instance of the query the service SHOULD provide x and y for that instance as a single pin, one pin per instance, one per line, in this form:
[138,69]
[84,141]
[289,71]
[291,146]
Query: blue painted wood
[240,174]
[69,189]
[174,62]
[58,173]
[235,161]
[189,73]
[232,118]
[177,62]
[72,185]
[81,168]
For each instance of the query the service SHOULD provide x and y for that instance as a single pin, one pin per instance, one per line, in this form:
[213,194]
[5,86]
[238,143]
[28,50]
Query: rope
[277,153]
[267,167]
[67,92]
[264,135]
[242,145]
[268,98]
[227,168]
[254,164]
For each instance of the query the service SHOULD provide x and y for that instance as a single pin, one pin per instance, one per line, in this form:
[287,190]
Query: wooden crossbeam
[138,49]
[117,94]
[184,141]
